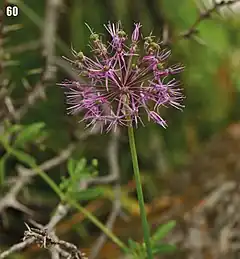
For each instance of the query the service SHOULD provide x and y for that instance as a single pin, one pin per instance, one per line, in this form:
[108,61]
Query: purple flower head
[122,81]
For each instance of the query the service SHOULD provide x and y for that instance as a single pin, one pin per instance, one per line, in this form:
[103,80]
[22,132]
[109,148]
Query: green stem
[84,211]
[104,229]
[146,232]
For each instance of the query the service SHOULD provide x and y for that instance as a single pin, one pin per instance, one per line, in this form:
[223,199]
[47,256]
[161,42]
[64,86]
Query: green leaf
[163,230]
[20,155]
[76,167]
[2,168]
[164,248]
[14,128]
[132,244]
[89,194]
[29,133]
[81,166]
[9,131]
[137,250]
[64,184]
[71,165]
[95,162]
[24,157]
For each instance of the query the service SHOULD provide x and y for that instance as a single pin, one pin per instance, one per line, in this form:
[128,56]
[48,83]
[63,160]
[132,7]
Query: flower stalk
[146,231]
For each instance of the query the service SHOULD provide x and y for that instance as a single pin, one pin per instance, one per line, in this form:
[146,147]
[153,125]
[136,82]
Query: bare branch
[206,15]
[112,161]
[32,45]
[109,224]
[59,214]
[24,177]
[16,247]
[49,44]
[44,239]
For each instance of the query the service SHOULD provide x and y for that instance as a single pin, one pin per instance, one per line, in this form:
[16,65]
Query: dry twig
[42,238]
[49,44]
[206,15]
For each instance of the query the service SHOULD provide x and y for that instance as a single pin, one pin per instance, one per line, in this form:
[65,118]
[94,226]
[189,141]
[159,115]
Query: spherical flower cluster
[123,80]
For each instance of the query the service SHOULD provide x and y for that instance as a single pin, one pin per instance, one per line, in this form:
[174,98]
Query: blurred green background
[211,83]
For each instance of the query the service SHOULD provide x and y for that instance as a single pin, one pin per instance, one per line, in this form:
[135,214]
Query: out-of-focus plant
[138,250]
[79,171]
[14,140]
